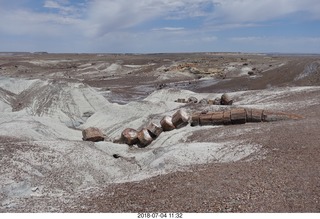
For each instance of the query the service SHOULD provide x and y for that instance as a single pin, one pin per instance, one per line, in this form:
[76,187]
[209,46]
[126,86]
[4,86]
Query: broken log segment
[195,119]
[217,118]
[144,138]
[180,118]
[129,136]
[166,123]
[254,115]
[154,130]
[238,116]
[206,119]
[227,117]
[92,134]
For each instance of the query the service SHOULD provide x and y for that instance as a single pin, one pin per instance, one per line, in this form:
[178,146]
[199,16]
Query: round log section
[203,101]
[238,116]
[166,123]
[144,138]
[92,134]
[154,130]
[180,118]
[129,136]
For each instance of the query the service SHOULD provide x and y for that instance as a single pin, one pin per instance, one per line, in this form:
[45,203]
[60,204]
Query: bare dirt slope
[47,100]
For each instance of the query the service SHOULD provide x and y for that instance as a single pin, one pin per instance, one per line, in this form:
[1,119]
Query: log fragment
[144,138]
[154,130]
[203,101]
[217,118]
[227,117]
[254,115]
[195,119]
[238,116]
[206,119]
[180,118]
[226,100]
[92,134]
[129,136]
[166,123]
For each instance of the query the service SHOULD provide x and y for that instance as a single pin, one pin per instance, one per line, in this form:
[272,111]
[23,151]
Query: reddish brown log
[270,116]
[238,116]
[144,138]
[227,117]
[217,118]
[226,100]
[254,115]
[180,118]
[206,119]
[128,136]
[92,134]
[166,124]
[154,130]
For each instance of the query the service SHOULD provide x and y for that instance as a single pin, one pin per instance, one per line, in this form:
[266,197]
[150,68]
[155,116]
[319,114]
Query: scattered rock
[87,114]
[180,118]
[92,134]
[203,101]
[250,73]
[166,124]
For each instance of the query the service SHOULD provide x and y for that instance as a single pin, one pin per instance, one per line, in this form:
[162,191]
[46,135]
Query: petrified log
[166,123]
[206,119]
[192,100]
[181,100]
[211,102]
[129,136]
[238,116]
[227,117]
[226,100]
[154,130]
[92,134]
[254,115]
[180,118]
[217,118]
[144,138]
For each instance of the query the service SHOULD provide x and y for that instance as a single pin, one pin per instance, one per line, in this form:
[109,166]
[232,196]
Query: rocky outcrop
[92,134]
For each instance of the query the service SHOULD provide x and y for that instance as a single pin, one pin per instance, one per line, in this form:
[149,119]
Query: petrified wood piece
[129,136]
[226,100]
[166,123]
[92,134]
[180,118]
[154,130]
[144,138]
[238,116]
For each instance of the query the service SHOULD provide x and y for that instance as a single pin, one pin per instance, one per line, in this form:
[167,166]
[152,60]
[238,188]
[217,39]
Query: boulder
[154,130]
[129,136]
[180,118]
[144,138]
[166,123]
[92,134]
[226,100]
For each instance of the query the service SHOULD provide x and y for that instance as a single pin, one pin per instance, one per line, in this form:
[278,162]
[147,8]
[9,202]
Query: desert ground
[47,100]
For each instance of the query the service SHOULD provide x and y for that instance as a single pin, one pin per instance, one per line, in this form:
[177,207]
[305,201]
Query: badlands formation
[49,163]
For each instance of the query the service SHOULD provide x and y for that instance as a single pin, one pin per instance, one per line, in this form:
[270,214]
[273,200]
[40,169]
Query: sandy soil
[47,100]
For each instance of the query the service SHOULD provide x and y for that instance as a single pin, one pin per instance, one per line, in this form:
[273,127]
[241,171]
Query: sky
[158,26]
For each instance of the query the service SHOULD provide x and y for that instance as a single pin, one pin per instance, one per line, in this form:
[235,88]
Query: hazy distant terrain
[46,100]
